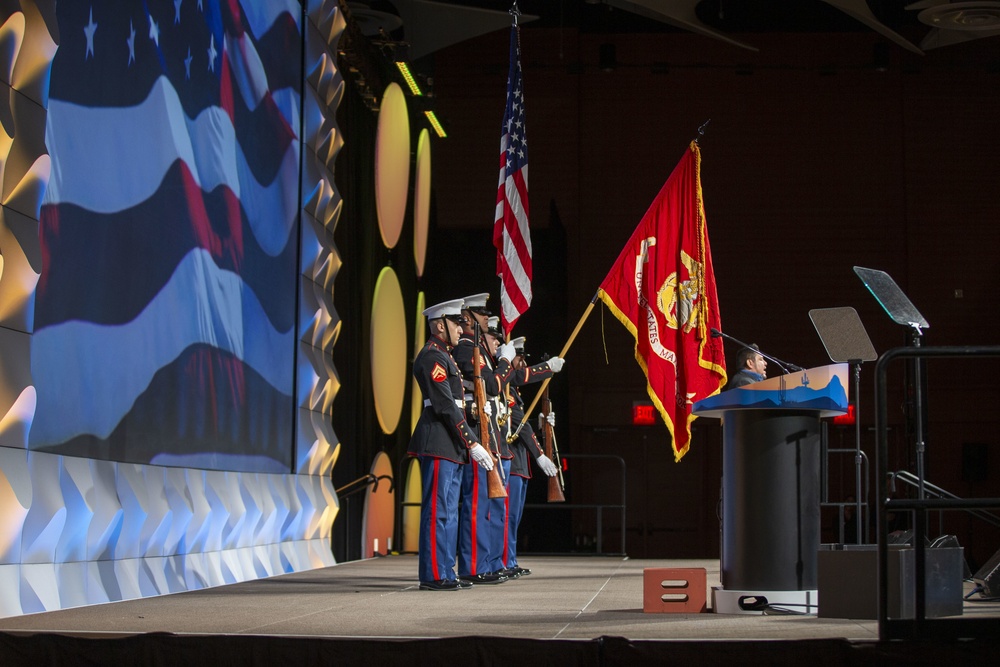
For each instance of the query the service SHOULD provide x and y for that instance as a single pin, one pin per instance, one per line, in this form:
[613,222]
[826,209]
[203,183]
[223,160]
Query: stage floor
[566,598]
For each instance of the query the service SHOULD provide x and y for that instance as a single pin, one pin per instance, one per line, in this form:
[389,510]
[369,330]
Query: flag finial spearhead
[701,129]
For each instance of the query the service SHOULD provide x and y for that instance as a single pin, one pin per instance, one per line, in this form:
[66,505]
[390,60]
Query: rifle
[494,483]
[551,450]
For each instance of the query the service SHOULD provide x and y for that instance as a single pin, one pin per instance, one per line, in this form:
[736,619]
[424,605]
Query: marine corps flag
[662,288]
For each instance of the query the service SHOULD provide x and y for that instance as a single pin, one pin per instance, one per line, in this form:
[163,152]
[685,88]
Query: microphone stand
[783,365]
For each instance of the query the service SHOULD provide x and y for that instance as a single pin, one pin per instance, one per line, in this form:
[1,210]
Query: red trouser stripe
[473,514]
[434,519]
[506,526]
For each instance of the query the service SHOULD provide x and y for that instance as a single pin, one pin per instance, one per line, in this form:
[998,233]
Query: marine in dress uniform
[444,445]
[525,445]
[477,546]
[497,514]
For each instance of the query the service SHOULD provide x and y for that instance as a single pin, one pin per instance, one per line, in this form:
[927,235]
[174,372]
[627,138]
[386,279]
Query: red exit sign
[845,420]
[643,413]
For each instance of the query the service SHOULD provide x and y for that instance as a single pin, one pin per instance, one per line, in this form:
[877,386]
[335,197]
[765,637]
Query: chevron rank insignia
[438,373]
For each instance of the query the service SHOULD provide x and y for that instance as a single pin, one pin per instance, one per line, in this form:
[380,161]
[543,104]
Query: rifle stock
[551,450]
[494,484]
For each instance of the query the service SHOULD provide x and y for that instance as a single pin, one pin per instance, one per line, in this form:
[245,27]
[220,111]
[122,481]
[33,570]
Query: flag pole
[545,382]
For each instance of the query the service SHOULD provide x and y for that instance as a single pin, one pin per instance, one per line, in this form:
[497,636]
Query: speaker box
[848,582]
[951,542]
[988,577]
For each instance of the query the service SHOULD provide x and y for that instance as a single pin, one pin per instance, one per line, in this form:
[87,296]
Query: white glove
[506,351]
[481,456]
[547,466]
[488,408]
[556,364]
[546,418]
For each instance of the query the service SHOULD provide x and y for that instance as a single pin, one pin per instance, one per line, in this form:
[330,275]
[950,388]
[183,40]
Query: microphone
[783,365]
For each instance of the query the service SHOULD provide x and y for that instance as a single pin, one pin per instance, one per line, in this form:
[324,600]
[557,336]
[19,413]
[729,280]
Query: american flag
[164,324]
[510,228]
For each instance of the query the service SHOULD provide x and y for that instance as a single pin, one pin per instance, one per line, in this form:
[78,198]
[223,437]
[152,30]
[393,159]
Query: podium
[771,485]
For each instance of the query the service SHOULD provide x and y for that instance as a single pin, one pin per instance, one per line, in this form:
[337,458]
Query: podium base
[756,602]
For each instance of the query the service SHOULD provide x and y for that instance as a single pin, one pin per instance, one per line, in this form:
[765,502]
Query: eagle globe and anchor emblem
[677,298]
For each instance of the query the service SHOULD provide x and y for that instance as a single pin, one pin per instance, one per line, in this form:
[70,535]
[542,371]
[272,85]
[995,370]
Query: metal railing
[912,480]
[599,508]
[861,499]
[919,627]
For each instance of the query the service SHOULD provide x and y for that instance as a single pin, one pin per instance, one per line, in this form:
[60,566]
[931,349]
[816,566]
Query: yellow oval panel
[419,338]
[422,200]
[392,164]
[388,347]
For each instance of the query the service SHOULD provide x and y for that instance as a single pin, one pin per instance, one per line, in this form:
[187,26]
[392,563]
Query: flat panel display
[164,321]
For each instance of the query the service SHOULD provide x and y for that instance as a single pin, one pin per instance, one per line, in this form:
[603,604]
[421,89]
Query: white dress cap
[518,343]
[453,307]
[477,300]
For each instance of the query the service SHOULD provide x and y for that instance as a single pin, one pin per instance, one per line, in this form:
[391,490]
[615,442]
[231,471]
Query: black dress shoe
[464,584]
[484,578]
[511,572]
[522,571]
[439,585]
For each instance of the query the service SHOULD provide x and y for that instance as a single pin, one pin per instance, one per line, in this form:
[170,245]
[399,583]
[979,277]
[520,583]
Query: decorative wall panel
[77,531]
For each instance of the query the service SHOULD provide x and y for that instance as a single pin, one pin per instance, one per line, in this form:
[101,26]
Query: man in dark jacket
[753,368]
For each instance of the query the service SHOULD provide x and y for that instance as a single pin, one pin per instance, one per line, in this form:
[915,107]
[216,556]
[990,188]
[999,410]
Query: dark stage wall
[813,162]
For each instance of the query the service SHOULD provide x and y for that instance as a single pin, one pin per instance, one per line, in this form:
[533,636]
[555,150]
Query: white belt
[458,402]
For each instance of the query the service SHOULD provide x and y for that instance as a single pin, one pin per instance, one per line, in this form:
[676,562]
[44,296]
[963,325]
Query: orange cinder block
[678,590]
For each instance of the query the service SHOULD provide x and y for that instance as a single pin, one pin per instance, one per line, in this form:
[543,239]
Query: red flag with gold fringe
[662,288]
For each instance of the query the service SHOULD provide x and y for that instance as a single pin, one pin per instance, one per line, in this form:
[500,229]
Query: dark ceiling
[918,26]
[729,16]
[915,25]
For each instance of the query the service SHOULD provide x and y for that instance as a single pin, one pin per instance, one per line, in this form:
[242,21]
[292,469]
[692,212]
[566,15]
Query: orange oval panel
[380,510]
[392,164]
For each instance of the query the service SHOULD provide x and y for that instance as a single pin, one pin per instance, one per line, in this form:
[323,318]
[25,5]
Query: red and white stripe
[513,244]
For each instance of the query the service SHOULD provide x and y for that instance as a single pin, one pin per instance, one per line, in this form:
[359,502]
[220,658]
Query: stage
[570,610]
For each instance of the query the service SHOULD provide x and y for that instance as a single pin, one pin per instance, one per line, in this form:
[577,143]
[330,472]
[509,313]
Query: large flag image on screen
[164,326]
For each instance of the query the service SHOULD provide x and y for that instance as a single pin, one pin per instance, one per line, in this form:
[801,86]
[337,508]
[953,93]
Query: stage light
[404,69]
[643,413]
[436,124]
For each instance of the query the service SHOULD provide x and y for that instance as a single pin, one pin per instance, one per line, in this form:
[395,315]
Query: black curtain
[363,254]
